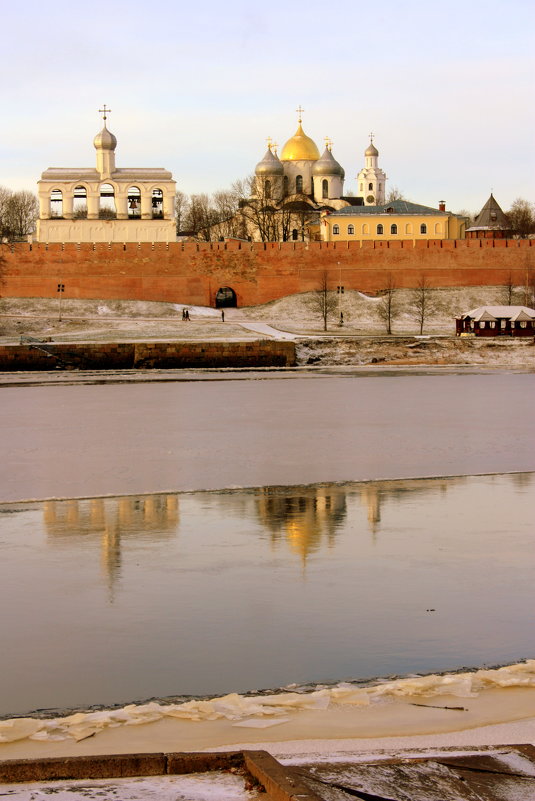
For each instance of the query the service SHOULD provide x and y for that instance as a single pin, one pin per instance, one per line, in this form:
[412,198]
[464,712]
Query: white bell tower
[371,179]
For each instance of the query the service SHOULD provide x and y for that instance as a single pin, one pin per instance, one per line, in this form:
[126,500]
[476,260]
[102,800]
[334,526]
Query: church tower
[372,179]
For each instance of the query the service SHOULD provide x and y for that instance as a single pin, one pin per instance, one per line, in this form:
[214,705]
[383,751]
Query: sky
[196,88]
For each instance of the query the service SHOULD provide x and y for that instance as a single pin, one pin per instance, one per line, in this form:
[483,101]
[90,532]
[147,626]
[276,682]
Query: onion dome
[371,150]
[327,165]
[105,140]
[270,165]
[300,148]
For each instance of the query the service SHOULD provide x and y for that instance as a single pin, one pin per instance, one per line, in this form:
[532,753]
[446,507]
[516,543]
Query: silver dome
[270,165]
[327,165]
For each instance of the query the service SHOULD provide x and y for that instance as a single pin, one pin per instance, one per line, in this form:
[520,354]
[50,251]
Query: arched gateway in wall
[106,203]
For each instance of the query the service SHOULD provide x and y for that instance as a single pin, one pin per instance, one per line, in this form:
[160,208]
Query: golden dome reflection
[300,148]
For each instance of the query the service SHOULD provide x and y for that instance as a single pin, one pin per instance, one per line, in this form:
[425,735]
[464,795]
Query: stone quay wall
[146,355]
[192,272]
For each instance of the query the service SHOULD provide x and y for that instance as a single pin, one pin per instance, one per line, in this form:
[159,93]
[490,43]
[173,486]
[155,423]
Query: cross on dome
[104,111]
[371,135]
[300,112]
[328,143]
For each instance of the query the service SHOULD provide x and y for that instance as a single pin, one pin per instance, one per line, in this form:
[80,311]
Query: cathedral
[301,183]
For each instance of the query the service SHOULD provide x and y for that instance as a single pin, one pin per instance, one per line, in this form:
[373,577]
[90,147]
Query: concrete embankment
[145,355]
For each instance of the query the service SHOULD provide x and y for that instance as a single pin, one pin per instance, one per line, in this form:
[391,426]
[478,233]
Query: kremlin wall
[192,273]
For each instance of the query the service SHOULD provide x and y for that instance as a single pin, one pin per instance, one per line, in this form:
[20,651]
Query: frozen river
[256,429]
[189,591]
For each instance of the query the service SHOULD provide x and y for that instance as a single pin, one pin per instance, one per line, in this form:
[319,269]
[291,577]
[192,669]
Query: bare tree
[529,288]
[181,211]
[5,195]
[323,301]
[395,194]
[22,212]
[388,308]
[509,288]
[522,218]
[423,300]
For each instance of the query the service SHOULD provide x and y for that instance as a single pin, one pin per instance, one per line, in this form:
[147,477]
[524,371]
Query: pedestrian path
[267,330]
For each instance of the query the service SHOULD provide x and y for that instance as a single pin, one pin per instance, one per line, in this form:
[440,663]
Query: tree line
[18,213]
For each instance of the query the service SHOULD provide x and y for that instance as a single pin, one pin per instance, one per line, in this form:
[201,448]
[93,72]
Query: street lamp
[61,290]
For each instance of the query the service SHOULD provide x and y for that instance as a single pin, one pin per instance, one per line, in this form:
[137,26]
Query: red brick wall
[192,273]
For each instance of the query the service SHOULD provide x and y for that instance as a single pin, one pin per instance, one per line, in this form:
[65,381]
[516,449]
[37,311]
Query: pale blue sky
[197,88]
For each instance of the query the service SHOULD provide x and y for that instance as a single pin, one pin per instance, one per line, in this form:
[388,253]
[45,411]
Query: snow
[251,711]
[213,786]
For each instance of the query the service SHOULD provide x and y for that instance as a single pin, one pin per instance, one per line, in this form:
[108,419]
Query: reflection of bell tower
[371,496]
[111,519]
[304,519]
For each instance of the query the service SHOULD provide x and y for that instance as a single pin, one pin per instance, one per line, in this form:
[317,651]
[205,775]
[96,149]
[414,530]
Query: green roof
[395,207]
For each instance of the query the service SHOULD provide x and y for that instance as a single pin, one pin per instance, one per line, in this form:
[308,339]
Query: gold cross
[274,147]
[269,140]
[371,137]
[103,112]
[328,143]
[300,112]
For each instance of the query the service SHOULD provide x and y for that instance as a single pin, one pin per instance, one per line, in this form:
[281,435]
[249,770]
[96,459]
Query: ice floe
[266,710]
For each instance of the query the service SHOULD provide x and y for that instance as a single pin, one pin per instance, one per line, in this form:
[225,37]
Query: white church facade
[106,203]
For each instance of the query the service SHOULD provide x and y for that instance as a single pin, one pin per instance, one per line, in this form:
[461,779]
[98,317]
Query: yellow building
[398,219]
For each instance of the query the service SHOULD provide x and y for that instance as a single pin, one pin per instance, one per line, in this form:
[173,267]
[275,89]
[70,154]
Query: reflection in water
[111,519]
[304,518]
[207,612]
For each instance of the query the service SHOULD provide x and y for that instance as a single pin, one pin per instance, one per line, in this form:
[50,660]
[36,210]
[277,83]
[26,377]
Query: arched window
[423,228]
[370,187]
[379,229]
[134,203]
[393,228]
[285,186]
[361,187]
[106,208]
[325,188]
[350,229]
[267,189]
[408,228]
[380,187]
[336,229]
[365,228]
[79,206]
[438,228]
[299,184]
[157,204]
[56,203]
[295,234]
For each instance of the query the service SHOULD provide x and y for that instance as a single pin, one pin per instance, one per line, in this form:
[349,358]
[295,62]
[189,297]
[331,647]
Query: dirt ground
[361,340]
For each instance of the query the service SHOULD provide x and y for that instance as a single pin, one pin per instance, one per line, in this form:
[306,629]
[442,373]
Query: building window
[408,228]
[325,188]
[379,229]
[365,228]
[393,229]
[438,228]
[370,187]
[423,228]
[336,229]
[134,203]
[56,203]
[350,229]
[285,186]
[295,234]
[299,184]
[267,189]
[362,187]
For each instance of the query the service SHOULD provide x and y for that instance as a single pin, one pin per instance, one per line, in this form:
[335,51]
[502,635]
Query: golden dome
[300,148]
